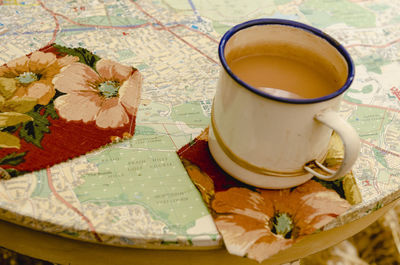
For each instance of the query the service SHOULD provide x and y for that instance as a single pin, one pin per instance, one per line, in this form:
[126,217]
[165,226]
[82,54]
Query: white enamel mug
[268,141]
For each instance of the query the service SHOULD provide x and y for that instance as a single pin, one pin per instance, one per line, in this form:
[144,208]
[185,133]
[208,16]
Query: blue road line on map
[45,31]
[185,22]
[65,30]
[195,11]
[86,28]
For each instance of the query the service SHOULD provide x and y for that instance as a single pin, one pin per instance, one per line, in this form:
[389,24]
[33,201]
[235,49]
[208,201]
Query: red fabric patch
[198,153]
[65,141]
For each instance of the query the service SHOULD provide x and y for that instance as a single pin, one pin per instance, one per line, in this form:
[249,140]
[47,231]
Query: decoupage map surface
[136,192]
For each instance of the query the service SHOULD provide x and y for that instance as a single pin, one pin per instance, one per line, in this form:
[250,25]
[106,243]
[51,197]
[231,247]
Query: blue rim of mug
[284,22]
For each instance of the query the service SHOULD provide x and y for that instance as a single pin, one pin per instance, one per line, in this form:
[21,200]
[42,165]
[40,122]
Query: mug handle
[351,143]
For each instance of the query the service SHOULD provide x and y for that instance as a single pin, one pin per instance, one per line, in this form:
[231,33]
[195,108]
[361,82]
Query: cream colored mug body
[268,141]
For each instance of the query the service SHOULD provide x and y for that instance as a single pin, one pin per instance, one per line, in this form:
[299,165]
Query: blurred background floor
[379,244]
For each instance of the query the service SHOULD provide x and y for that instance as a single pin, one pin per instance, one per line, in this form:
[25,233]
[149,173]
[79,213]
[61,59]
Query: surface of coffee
[285,74]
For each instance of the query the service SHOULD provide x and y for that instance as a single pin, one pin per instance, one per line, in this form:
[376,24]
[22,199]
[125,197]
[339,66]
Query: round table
[133,202]
[73,252]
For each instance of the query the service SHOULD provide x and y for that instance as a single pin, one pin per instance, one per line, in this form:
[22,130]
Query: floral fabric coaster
[258,223]
[58,103]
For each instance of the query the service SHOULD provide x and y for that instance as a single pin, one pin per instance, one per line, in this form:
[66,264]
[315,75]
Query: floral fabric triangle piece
[258,223]
[58,103]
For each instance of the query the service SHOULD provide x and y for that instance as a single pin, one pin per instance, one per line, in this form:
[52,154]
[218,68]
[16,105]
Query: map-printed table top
[136,192]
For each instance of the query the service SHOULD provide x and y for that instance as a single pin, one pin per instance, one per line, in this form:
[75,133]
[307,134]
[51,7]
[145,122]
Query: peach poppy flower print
[34,74]
[263,222]
[107,96]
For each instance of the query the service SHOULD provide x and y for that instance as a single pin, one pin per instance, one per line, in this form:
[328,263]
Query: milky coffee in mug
[277,102]
[275,70]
